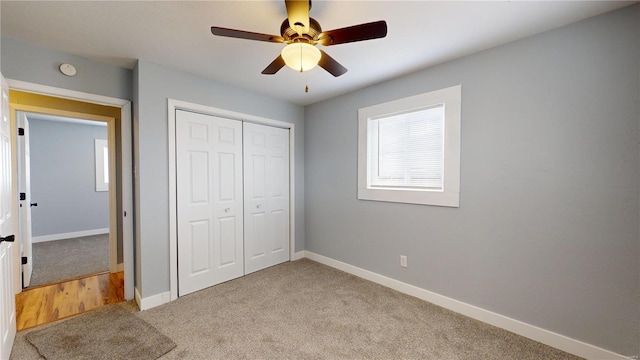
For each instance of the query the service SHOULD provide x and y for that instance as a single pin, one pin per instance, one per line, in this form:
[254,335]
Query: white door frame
[172,106]
[126,166]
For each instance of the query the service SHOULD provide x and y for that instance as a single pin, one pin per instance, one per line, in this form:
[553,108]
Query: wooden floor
[52,302]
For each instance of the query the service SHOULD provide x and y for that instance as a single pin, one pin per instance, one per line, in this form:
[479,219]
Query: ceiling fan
[302,33]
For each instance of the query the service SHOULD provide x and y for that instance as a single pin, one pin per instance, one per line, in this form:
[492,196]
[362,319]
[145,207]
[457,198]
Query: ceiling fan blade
[333,67]
[275,66]
[241,34]
[298,14]
[368,31]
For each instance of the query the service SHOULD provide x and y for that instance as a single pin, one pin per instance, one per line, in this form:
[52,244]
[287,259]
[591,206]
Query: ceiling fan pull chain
[306,81]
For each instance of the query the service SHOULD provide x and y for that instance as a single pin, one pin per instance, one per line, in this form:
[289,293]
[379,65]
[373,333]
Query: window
[102,165]
[409,149]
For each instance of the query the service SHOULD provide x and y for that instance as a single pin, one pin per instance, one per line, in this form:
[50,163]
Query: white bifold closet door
[209,200]
[266,196]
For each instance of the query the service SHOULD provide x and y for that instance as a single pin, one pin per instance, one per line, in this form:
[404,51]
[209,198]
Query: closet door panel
[266,194]
[209,200]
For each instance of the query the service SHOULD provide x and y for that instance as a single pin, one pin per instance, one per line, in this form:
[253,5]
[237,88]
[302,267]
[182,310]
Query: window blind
[407,150]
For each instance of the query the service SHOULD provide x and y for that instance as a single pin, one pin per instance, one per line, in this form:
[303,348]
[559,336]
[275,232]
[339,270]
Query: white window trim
[450,196]
[101,154]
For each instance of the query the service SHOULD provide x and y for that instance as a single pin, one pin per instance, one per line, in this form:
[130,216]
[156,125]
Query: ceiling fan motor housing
[290,35]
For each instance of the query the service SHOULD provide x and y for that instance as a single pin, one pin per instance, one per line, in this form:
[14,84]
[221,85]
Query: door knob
[227,209]
[259,206]
[10,238]
[33,204]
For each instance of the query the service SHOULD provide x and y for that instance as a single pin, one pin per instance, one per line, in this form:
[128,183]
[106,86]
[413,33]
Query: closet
[232,201]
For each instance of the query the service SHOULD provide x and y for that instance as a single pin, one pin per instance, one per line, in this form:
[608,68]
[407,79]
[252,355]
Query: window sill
[421,197]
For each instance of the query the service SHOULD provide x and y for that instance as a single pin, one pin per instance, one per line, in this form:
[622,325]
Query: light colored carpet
[305,310]
[112,332]
[59,260]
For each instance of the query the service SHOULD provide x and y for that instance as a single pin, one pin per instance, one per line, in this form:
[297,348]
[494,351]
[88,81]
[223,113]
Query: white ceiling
[177,34]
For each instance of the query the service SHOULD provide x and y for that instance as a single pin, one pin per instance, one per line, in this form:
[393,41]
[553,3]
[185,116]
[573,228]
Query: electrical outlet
[403,261]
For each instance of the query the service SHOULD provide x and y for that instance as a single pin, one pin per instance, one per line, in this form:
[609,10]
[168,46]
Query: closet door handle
[259,206]
[227,209]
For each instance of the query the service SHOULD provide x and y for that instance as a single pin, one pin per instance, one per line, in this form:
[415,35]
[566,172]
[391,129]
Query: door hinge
[20,131]
[23,196]
[10,238]
[24,260]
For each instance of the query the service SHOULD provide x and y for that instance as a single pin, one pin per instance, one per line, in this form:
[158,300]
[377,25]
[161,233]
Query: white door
[266,194]
[24,176]
[209,200]
[7,294]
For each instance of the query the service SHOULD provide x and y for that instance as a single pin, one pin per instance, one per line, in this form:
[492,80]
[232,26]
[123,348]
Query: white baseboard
[121,267]
[70,235]
[546,337]
[297,256]
[152,301]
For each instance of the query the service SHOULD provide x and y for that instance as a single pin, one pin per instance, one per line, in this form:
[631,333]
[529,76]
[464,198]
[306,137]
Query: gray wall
[154,85]
[63,178]
[547,229]
[27,62]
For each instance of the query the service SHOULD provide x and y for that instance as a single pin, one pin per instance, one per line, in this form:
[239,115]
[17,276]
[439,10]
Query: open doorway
[117,117]
[48,303]
[63,172]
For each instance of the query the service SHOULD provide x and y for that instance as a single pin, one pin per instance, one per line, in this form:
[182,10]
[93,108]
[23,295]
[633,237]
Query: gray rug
[58,260]
[112,332]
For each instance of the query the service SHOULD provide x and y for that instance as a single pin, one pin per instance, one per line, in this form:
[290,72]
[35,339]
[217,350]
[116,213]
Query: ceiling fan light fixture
[301,56]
